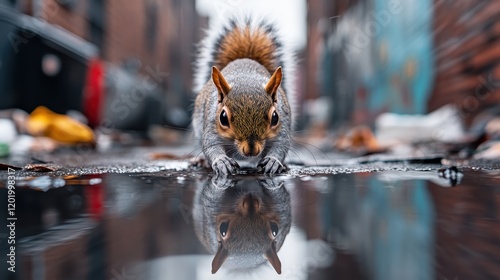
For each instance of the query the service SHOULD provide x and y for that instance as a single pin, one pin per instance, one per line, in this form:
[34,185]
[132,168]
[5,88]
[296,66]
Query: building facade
[412,57]
[152,40]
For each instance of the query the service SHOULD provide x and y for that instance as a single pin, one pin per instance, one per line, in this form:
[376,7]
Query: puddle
[385,225]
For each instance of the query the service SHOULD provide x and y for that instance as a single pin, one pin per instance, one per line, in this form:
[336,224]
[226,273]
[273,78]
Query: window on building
[96,12]
[11,3]
[151,25]
[68,4]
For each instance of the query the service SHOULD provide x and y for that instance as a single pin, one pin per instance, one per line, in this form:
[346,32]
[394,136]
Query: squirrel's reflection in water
[243,222]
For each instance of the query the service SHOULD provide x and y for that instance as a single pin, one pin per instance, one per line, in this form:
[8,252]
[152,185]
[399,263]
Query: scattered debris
[61,128]
[42,167]
[493,127]
[451,174]
[164,135]
[359,140]
[8,135]
[163,156]
[42,183]
[4,150]
[444,124]
[488,150]
[45,182]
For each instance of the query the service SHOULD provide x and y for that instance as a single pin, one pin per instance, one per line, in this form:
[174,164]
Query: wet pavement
[370,219]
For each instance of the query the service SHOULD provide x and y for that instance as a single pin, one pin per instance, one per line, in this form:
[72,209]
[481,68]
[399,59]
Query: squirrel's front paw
[225,165]
[272,183]
[271,165]
[223,182]
[199,161]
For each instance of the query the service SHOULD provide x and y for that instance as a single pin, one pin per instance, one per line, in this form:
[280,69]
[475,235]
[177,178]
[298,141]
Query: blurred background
[128,65]
[424,74]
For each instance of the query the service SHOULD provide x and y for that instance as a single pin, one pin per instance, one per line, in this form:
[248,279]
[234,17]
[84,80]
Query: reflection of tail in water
[243,222]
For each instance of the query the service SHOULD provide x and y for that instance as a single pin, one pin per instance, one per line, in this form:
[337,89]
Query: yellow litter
[44,122]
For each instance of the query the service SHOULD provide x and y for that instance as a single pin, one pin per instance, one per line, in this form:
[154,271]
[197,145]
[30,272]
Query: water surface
[170,225]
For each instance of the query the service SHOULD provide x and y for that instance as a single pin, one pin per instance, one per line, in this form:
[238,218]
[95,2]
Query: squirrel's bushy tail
[244,37]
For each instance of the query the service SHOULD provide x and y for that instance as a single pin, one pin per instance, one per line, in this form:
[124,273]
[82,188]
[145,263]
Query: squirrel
[242,222]
[242,110]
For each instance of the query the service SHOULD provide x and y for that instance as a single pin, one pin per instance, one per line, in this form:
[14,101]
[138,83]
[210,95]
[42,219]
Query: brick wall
[74,20]
[467,52]
[174,26]
[126,30]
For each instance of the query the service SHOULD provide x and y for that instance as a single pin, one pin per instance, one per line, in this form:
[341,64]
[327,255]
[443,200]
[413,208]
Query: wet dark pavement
[304,160]
[375,220]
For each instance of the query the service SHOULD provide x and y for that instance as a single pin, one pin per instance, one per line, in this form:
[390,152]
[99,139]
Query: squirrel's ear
[220,83]
[274,83]
[219,258]
[272,257]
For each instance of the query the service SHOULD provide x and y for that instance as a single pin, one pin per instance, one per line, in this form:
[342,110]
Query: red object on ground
[93,95]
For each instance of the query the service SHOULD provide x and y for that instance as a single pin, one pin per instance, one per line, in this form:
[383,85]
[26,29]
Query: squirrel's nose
[250,205]
[248,152]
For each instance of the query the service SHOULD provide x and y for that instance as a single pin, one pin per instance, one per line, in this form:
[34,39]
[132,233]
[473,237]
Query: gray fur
[220,195]
[208,48]
[245,77]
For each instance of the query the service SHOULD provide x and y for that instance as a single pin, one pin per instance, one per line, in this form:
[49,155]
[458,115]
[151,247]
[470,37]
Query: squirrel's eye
[274,229]
[223,228]
[274,119]
[223,118]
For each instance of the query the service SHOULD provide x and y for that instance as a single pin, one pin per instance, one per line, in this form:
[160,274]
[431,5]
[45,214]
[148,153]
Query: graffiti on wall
[380,56]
